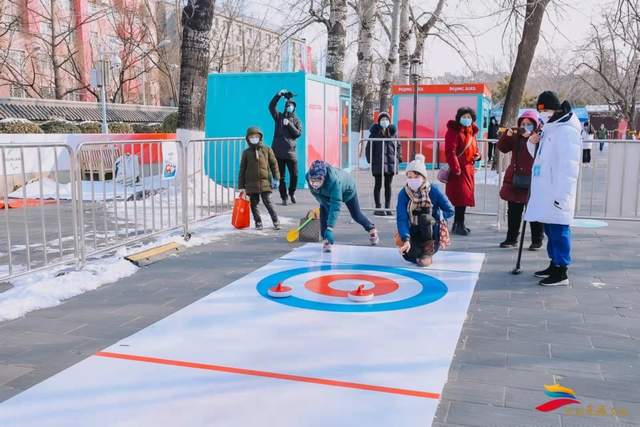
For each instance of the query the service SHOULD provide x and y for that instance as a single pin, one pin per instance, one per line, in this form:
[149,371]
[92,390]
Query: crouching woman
[420,208]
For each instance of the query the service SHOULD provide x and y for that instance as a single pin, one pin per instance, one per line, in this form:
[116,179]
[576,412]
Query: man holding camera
[287,130]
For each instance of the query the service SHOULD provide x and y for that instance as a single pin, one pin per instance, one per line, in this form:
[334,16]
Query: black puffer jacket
[384,156]
[284,136]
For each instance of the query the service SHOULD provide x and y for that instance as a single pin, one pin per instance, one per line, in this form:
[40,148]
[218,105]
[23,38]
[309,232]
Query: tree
[424,30]
[611,59]
[406,30]
[197,19]
[360,110]
[391,63]
[534,11]
[336,24]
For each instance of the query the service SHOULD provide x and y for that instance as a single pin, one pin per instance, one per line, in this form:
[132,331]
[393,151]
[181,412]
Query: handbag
[240,215]
[443,173]
[519,182]
[445,237]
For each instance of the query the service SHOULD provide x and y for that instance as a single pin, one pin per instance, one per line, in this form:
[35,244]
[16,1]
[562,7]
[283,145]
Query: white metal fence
[72,203]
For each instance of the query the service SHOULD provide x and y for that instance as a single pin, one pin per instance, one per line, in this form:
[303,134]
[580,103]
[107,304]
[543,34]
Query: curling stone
[280,291]
[360,294]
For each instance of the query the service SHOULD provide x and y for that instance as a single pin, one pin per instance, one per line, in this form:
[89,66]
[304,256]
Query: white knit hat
[418,166]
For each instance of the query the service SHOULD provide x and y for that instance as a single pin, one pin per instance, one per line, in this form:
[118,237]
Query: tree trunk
[423,31]
[336,40]
[362,83]
[392,60]
[197,18]
[403,47]
[526,50]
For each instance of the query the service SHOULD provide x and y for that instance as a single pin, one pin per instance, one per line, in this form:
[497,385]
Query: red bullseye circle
[321,285]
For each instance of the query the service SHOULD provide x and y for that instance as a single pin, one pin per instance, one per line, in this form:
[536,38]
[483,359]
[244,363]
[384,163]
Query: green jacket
[257,167]
[338,187]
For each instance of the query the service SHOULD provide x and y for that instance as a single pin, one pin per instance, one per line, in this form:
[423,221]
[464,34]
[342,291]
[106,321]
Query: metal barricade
[211,177]
[138,202]
[487,178]
[609,185]
[38,201]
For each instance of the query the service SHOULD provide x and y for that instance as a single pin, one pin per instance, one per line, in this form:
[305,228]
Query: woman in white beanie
[420,208]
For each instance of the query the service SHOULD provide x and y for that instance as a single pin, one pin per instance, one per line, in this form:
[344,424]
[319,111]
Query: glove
[328,235]
[285,122]
[275,184]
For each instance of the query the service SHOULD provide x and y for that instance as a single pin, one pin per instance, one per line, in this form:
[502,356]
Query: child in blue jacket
[419,210]
[331,187]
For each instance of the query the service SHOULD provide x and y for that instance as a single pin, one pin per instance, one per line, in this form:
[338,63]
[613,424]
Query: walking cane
[518,270]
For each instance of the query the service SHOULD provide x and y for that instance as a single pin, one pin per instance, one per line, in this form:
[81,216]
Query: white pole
[103,97]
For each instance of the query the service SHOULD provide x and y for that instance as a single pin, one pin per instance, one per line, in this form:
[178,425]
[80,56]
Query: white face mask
[316,184]
[254,140]
[415,183]
[384,123]
[545,115]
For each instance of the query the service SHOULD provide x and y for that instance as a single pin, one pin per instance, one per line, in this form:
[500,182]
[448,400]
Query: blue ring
[432,290]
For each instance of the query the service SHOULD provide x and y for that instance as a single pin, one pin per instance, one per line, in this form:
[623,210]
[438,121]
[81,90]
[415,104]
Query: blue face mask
[290,109]
[466,121]
[528,128]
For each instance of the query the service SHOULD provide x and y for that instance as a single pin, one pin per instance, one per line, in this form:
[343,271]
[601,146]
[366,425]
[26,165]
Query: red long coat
[507,144]
[462,183]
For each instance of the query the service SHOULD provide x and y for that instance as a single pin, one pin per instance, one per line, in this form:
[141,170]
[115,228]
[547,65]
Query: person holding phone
[517,178]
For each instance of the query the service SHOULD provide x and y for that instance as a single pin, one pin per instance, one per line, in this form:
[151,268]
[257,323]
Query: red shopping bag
[240,215]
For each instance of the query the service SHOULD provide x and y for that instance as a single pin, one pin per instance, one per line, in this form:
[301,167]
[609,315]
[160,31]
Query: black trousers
[292,165]
[514,219]
[459,215]
[586,155]
[266,199]
[388,179]
[490,149]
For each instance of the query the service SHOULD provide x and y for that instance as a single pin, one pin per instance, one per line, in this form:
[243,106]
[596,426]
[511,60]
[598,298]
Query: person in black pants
[493,134]
[287,130]
[384,158]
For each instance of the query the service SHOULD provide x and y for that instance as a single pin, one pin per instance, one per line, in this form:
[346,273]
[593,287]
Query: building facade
[61,49]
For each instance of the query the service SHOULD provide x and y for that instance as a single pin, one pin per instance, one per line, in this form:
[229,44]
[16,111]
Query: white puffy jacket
[554,176]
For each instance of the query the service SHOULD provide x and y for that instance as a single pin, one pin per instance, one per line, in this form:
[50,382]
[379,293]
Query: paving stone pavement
[517,337]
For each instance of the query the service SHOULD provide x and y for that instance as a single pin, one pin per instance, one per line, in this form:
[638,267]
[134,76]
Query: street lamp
[107,61]
[414,71]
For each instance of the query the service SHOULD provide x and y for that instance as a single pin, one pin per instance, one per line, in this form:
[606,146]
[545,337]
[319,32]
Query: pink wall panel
[315,121]
[332,125]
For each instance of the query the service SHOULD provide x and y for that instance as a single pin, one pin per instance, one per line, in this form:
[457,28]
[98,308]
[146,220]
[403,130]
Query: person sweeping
[331,187]
[420,211]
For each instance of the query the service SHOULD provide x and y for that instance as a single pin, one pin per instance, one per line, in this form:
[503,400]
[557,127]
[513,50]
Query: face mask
[254,140]
[316,184]
[466,121]
[528,128]
[290,108]
[545,115]
[415,183]
[384,123]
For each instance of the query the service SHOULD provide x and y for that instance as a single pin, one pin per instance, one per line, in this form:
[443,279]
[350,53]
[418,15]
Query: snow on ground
[43,289]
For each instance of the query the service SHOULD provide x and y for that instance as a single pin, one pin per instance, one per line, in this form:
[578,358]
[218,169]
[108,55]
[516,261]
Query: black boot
[547,272]
[293,198]
[558,278]
[535,246]
[460,230]
[379,211]
[509,243]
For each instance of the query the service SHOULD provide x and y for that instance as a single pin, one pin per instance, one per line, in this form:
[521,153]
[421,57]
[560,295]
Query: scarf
[418,200]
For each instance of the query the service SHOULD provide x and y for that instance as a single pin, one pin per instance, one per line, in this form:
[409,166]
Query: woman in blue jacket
[420,208]
[331,187]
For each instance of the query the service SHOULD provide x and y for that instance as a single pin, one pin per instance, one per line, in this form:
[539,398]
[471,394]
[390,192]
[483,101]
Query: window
[92,8]
[45,28]
[44,64]
[65,5]
[48,92]
[74,96]
[18,91]
[16,58]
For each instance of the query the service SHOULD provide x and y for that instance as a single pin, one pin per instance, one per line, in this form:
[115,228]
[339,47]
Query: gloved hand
[285,122]
[275,184]
[328,235]
[282,92]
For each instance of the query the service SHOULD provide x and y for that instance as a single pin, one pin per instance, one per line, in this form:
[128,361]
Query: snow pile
[44,289]
[11,120]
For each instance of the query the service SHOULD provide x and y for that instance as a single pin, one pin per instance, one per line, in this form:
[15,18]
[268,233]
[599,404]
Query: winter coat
[257,168]
[555,172]
[493,130]
[461,186]
[338,187]
[440,209]
[284,136]
[508,144]
[384,156]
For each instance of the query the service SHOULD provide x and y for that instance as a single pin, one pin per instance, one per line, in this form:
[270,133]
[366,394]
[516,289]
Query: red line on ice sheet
[264,374]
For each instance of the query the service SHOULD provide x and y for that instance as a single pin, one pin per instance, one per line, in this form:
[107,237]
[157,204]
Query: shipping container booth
[236,101]
[436,105]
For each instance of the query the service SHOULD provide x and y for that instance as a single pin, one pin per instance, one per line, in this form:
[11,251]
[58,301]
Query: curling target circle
[325,287]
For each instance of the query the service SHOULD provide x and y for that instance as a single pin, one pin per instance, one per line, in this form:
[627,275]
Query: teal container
[236,101]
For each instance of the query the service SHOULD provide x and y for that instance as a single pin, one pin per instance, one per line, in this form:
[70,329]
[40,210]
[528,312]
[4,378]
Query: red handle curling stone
[360,294]
[280,291]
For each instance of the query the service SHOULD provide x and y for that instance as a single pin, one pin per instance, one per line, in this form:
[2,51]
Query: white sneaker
[326,246]
[373,237]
